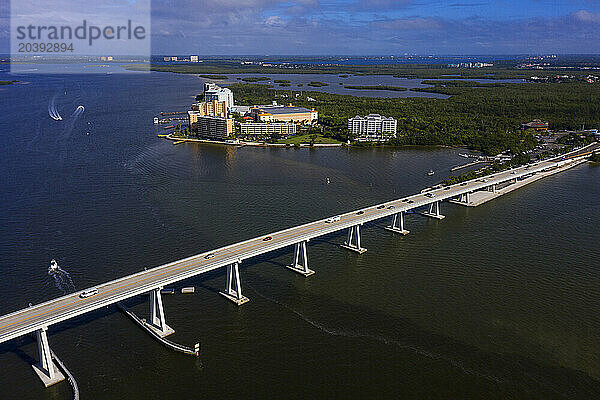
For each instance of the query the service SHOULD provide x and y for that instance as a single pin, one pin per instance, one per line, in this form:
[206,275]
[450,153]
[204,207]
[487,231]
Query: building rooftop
[283,110]
[372,116]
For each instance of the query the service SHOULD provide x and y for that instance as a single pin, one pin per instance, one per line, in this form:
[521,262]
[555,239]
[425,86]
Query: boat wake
[78,111]
[62,279]
[380,339]
[52,111]
[71,124]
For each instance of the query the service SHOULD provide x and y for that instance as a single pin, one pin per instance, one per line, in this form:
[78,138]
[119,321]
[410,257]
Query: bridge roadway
[60,309]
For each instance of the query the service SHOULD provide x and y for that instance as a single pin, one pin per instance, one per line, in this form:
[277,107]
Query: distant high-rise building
[372,128]
[194,58]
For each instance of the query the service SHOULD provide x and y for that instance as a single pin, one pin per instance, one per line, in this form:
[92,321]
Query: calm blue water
[495,302]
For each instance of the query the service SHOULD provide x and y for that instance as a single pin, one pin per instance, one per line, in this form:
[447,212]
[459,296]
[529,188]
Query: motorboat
[53,266]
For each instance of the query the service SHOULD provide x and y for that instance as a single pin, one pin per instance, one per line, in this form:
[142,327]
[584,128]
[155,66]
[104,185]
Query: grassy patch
[256,79]
[308,139]
[219,77]
[316,84]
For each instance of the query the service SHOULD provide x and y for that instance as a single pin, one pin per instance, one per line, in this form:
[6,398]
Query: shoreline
[242,143]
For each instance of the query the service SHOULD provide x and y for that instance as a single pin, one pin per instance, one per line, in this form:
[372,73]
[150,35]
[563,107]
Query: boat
[53,266]
[430,172]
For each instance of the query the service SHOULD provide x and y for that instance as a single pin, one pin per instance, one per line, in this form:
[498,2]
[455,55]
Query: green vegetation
[501,70]
[218,77]
[309,139]
[282,81]
[256,79]
[343,76]
[7,82]
[487,119]
[455,84]
[285,84]
[377,87]
[316,84]
[481,116]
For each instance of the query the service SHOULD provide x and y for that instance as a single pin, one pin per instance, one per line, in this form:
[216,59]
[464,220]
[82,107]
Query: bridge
[36,319]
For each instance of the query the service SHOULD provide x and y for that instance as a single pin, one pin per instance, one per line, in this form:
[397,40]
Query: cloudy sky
[309,27]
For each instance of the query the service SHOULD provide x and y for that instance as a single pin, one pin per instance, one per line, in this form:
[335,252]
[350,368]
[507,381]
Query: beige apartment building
[213,108]
[211,127]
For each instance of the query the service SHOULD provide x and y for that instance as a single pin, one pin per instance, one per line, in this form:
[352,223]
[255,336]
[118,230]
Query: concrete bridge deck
[57,310]
[37,318]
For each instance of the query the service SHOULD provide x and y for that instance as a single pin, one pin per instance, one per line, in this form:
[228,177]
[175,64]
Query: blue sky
[376,26]
[307,27]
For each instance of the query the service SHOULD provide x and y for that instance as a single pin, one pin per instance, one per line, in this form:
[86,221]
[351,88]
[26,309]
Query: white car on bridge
[333,219]
[88,293]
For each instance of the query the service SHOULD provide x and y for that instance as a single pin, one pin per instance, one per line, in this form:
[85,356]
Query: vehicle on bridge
[89,293]
[333,219]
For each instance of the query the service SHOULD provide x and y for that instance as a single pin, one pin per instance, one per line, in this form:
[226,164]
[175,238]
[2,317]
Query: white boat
[53,266]
[430,172]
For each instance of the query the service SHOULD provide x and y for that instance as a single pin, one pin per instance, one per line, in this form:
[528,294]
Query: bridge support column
[434,211]
[465,198]
[353,240]
[157,321]
[300,263]
[492,189]
[46,370]
[233,279]
[398,218]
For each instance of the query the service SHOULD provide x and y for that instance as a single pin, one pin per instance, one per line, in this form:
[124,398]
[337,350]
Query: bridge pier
[300,263]
[157,321]
[434,211]
[46,370]
[463,200]
[354,236]
[398,218]
[233,279]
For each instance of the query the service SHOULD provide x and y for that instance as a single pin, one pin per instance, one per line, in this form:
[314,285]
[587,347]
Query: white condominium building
[213,92]
[373,127]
